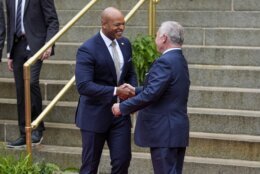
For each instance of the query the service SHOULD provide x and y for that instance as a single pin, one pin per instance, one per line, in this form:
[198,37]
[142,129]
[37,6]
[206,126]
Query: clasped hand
[124,92]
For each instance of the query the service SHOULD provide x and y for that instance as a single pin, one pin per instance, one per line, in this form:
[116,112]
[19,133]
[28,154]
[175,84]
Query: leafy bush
[144,53]
[10,165]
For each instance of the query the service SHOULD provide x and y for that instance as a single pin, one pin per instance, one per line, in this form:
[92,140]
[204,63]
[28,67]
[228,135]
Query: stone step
[100,5]
[207,19]
[213,145]
[225,76]
[51,70]
[211,19]
[200,96]
[204,55]
[70,157]
[202,19]
[198,5]
[193,35]
[251,5]
[224,121]
[63,112]
[224,98]
[201,119]
[218,55]
[200,75]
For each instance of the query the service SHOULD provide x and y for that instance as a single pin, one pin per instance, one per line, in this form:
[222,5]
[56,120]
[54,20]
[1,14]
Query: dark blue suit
[41,24]
[2,29]
[162,122]
[95,80]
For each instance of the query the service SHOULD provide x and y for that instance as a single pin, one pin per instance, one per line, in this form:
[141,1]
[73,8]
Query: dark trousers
[119,143]
[20,55]
[168,160]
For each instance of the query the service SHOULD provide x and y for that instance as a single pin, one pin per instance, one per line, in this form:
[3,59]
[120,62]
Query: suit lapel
[26,5]
[108,59]
[124,52]
[12,10]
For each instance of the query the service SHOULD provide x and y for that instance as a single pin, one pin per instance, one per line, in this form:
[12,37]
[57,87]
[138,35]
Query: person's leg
[92,146]
[19,56]
[180,159]
[119,143]
[36,101]
[167,160]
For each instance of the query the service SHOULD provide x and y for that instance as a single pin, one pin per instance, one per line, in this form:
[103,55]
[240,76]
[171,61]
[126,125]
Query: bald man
[103,63]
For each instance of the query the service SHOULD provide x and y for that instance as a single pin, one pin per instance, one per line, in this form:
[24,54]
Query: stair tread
[200,135]
[144,155]
[192,87]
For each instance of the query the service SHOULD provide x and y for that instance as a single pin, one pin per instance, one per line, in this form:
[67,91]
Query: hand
[10,64]
[131,88]
[125,91]
[46,54]
[116,110]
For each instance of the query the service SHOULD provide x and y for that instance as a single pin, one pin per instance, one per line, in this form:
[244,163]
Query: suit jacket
[96,78]
[162,120]
[40,23]
[2,29]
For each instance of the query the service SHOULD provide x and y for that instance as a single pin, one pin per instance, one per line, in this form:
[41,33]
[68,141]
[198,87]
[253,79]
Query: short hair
[173,30]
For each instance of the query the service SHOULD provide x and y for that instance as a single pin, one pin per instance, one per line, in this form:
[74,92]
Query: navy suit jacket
[162,120]
[2,29]
[96,78]
[40,23]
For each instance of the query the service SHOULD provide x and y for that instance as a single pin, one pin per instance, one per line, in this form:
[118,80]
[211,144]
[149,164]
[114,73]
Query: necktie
[19,19]
[116,59]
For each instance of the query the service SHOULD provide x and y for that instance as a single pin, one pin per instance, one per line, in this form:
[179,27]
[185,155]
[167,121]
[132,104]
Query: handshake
[124,92]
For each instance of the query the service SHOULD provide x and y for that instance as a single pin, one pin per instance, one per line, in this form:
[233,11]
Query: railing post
[152,17]
[28,129]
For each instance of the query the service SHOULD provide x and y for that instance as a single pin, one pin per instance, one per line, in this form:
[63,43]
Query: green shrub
[144,53]
[10,165]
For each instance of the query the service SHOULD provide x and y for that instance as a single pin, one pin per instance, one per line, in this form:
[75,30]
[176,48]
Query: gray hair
[173,30]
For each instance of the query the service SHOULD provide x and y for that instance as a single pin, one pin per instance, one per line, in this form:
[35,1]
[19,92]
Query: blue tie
[19,19]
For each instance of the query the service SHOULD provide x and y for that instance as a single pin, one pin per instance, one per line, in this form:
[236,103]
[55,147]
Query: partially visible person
[30,24]
[103,63]
[162,122]
[2,29]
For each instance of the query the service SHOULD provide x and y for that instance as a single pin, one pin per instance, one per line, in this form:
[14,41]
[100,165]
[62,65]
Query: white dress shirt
[108,44]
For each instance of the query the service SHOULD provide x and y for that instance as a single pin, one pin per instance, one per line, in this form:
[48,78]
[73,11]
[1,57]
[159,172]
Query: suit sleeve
[84,73]
[2,29]
[50,17]
[158,80]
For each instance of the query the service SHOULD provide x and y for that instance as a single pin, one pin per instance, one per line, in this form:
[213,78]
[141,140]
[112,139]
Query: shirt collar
[106,39]
[171,49]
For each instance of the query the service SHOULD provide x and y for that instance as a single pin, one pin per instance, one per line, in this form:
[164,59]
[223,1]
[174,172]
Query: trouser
[20,55]
[168,160]
[118,139]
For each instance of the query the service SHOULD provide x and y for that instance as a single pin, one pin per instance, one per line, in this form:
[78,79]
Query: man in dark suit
[103,63]
[162,122]
[30,24]
[2,29]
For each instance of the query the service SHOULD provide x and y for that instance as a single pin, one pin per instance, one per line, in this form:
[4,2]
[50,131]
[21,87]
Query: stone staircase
[222,46]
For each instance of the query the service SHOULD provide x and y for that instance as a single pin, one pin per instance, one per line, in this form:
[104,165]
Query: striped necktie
[19,19]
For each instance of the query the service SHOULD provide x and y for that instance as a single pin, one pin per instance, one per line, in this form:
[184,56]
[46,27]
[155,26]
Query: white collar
[170,49]
[106,39]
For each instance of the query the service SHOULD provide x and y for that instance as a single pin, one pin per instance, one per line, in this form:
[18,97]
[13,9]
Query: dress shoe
[18,143]
[36,137]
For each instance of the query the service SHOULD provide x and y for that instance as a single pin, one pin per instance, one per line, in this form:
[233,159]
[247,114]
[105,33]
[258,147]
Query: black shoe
[36,137]
[18,143]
